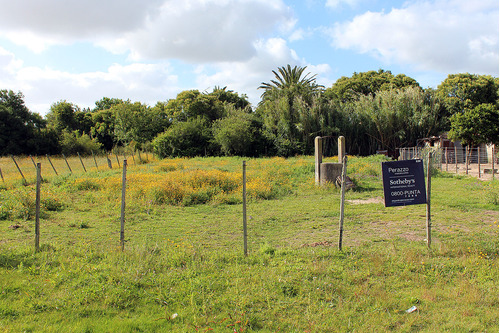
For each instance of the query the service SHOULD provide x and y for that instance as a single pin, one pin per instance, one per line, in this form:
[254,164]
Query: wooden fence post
[342,201]
[456,160]
[19,169]
[81,161]
[493,162]
[70,171]
[37,209]
[428,212]
[95,161]
[479,162]
[122,218]
[318,158]
[52,165]
[117,160]
[245,248]
[1,175]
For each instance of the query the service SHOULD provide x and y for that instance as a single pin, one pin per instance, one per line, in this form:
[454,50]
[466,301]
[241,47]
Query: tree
[238,133]
[188,138]
[138,123]
[463,91]
[291,82]
[285,110]
[347,89]
[398,118]
[61,116]
[191,104]
[21,131]
[226,96]
[475,126]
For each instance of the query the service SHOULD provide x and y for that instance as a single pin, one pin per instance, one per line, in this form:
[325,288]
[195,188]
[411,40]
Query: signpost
[404,185]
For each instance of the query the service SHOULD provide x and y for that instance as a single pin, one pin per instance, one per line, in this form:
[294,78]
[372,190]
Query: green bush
[73,143]
[190,138]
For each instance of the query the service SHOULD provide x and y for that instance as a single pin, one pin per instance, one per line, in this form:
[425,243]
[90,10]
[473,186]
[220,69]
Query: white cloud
[337,3]
[193,30]
[443,35]
[147,83]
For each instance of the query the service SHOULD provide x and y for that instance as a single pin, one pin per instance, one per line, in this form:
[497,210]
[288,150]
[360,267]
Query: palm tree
[291,82]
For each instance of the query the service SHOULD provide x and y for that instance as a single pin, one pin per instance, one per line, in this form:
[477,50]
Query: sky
[150,50]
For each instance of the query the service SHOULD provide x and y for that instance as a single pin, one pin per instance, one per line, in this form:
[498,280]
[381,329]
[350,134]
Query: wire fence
[479,162]
[23,168]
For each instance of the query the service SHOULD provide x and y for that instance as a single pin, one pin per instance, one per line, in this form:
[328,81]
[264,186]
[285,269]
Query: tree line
[373,110]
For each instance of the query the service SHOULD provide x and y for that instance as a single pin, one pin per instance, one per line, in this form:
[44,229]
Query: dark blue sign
[404,183]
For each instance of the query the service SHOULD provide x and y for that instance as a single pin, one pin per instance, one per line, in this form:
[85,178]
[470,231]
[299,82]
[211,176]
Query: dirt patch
[366,201]
[325,243]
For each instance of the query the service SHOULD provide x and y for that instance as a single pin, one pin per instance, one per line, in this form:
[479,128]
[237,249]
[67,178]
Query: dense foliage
[374,110]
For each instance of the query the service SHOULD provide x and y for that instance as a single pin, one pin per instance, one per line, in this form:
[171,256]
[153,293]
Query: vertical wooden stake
[456,160]
[122,218]
[117,160]
[37,209]
[493,162]
[52,165]
[81,161]
[245,249]
[1,175]
[467,160]
[479,162]
[446,157]
[318,158]
[428,213]
[19,169]
[70,171]
[342,199]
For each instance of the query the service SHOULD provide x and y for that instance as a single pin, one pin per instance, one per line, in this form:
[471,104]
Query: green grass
[183,268]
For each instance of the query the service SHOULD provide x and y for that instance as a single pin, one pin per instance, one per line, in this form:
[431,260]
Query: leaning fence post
[1,175]
[81,161]
[95,161]
[19,169]
[122,218]
[52,165]
[37,209]
[70,171]
[117,160]
[245,249]
[342,201]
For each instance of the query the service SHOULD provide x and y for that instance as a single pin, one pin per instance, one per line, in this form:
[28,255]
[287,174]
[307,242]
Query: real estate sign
[404,183]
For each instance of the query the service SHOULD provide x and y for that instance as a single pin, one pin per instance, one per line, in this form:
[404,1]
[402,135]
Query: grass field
[183,268]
